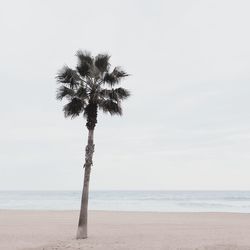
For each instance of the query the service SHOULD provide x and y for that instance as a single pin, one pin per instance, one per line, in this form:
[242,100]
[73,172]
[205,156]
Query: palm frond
[73,108]
[115,94]
[122,93]
[119,73]
[85,89]
[85,62]
[82,93]
[109,94]
[84,56]
[68,76]
[64,91]
[104,93]
[102,62]
[110,79]
[115,76]
[109,106]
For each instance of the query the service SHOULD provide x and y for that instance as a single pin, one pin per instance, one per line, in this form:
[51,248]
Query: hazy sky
[187,124]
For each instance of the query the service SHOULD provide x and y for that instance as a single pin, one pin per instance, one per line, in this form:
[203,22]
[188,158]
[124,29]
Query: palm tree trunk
[83,218]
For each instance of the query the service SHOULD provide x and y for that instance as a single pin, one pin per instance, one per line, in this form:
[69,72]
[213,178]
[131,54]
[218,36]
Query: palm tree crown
[91,86]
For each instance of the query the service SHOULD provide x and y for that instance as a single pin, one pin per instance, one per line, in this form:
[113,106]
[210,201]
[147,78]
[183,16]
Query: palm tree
[88,88]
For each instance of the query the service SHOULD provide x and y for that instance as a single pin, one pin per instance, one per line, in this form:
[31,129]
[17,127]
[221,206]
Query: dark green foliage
[85,63]
[115,94]
[112,107]
[114,77]
[122,93]
[73,108]
[82,93]
[64,91]
[84,56]
[68,76]
[90,87]
[102,62]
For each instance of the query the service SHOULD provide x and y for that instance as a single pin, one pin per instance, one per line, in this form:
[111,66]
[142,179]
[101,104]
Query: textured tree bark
[83,218]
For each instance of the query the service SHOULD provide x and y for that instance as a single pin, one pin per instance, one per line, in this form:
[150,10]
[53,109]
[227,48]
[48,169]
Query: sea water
[158,201]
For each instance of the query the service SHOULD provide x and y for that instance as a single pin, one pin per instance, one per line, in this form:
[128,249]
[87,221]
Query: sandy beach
[51,230]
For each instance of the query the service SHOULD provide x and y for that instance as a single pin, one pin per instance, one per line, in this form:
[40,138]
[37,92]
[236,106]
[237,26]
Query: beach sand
[51,230]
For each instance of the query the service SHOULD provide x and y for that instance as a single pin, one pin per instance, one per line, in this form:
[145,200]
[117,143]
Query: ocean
[157,201]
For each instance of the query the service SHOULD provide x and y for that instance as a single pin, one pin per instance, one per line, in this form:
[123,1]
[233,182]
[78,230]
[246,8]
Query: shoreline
[120,211]
[122,230]
[153,201]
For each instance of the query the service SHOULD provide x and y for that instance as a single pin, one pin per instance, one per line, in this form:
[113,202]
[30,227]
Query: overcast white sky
[187,124]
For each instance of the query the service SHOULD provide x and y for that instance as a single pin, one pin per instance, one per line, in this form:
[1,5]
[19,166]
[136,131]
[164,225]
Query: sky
[187,123]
